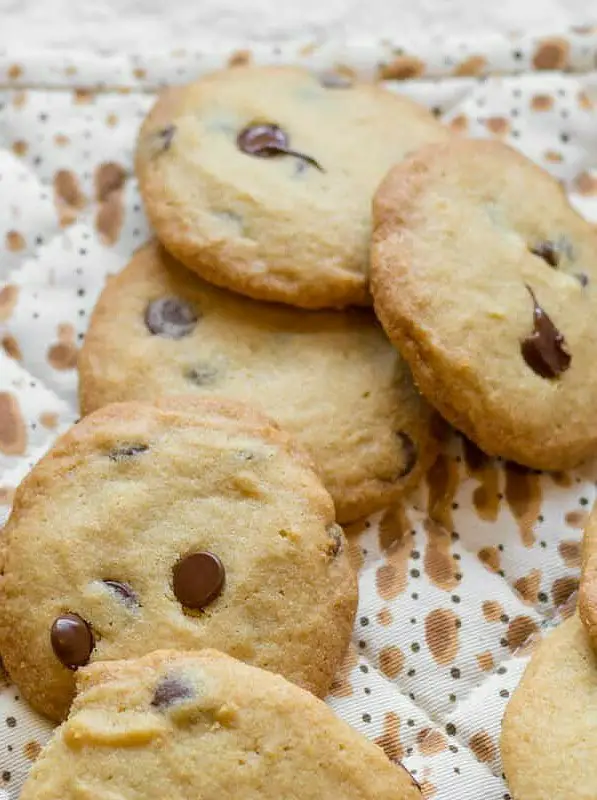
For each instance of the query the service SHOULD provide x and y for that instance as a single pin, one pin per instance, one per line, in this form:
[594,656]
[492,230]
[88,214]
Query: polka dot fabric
[456,586]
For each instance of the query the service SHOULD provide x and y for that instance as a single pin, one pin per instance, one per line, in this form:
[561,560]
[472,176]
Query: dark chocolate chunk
[549,251]
[544,350]
[410,453]
[333,80]
[267,140]
[202,375]
[72,640]
[127,451]
[169,691]
[336,534]
[170,317]
[166,135]
[197,579]
[124,592]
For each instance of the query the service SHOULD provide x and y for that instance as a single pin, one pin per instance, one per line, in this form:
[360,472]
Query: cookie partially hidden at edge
[331,378]
[260,179]
[587,592]
[184,524]
[185,725]
[485,278]
[550,727]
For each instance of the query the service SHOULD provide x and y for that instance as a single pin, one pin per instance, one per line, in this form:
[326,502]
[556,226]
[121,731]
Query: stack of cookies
[333,274]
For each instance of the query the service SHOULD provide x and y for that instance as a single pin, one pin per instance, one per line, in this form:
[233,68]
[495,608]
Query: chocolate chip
[336,534]
[582,278]
[170,691]
[267,140]
[197,579]
[124,592]
[202,375]
[72,640]
[544,350]
[165,136]
[127,451]
[410,453]
[333,80]
[170,317]
[548,251]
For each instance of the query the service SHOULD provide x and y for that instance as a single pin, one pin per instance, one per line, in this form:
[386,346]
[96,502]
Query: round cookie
[331,379]
[181,725]
[550,726]
[186,524]
[260,178]
[485,279]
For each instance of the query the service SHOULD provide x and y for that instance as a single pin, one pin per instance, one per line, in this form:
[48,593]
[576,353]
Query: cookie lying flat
[331,379]
[203,725]
[187,524]
[260,179]
[485,278]
[587,594]
[550,727]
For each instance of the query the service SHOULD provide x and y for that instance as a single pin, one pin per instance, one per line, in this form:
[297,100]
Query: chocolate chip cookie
[331,378]
[485,279]
[550,727]
[260,178]
[203,725]
[188,523]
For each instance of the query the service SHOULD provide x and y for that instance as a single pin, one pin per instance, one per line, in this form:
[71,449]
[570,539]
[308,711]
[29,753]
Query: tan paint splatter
[584,101]
[239,58]
[443,479]
[68,196]
[109,183]
[482,746]
[553,156]
[341,686]
[492,610]
[395,538]
[70,70]
[19,98]
[82,97]
[20,147]
[6,496]
[60,140]
[570,551]
[63,355]
[490,557]
[394,526]
[32,750]
[441,635]
[470,67]
[563,479]
[354,551]
[528,586]
[391,661]
[308,49]
[485,661]
[13,433]
[551,54]
[384,617]
[562,589]
[431,742]
[520,630]
[109,177]
[542,102]
[440,567]
[523,495]
[15,71]
[15,241]
[585,184]
[460,123]
[500,126]
[49,419]
[11,347]
[9,295]
[140,73]
[576,519]
[401,68]
[428,790]
[389,741]
[112,120]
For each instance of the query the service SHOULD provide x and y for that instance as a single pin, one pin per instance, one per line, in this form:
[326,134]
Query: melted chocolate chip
[166,135]
[544,350]
[333,80]
[72,640]
[548,251]
[202,375]
[267,141]
[410,453]
[197,579]
[582,278]
[170,691]
[127,451]
[170,317]
[336,534]
[124,592]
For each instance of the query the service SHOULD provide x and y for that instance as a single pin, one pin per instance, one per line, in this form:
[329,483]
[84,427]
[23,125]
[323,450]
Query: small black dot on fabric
[39,240]
[413,620]
[501,548]
[455,598]
[500,496]
[415,647]
[583,501]
[82,312]
[501,670]
[543,544]
[35,315]
[81,292]
[415,596]
[455,536]
[514,134]
[517,54]
[412,696]
[42,117]
[564,137]
[411,673]
[79,271]
[540,518]
[415,573]
[456,556]
[37,161]
[366,717]
[504,693]
[367,690]
[562,92]
[362,644]
[137,207]
[364,668]
[11,722]
[501,573]
[451,729]
[6,776]
[364,621]
[409,751]
[82,251]
[507,796]
[458,622]
[515,112]
[564,113]
[504,618]
[503,642]
[410,723]
[457,770]
[455,673]
[458,576]
[516,93]
[9,748]
[436,111]
[454,506]
[80,336]
[414,554]
[364,552]
[87,134]
[453,749]
[136,232]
